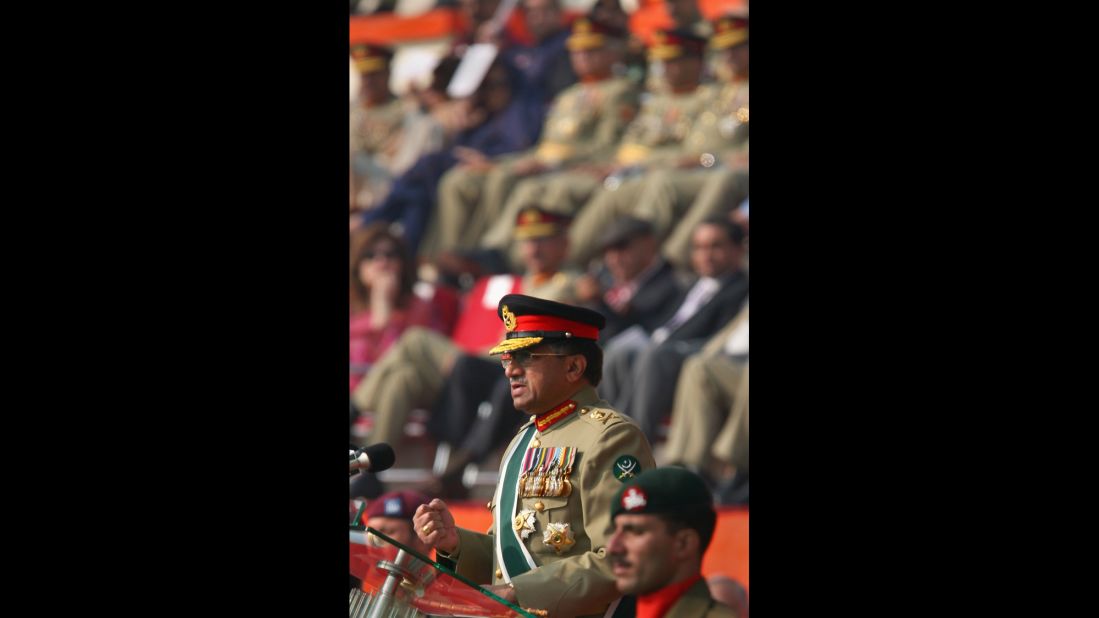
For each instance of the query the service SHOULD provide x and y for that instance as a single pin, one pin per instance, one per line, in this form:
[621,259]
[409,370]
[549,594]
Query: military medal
[524,523]
[546,472]
[558,536]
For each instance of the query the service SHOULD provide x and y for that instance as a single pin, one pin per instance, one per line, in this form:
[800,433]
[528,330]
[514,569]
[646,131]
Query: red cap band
[546,322]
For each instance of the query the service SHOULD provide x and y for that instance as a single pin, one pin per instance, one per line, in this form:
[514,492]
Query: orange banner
[727,555]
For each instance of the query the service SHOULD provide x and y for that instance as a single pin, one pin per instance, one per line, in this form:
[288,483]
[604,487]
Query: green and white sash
[511,552]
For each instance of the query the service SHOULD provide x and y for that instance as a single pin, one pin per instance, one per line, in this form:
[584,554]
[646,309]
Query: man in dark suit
[639,366]
[635,284]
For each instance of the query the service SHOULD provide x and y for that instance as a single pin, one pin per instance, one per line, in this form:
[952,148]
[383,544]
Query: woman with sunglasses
[383,300]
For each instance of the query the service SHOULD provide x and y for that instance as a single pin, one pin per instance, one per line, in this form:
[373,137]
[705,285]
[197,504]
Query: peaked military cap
[588,33]
[663,490]
[671,44]
[530,321]
[537,222]
[371,58]
[729,31]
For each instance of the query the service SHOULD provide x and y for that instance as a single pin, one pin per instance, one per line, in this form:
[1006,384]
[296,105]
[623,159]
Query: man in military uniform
[584,123]
[721,183]
[653,139]
[551,510]
[711,399]
[375,127]
[711,160]
[686,15]
[664,520]
[412,372]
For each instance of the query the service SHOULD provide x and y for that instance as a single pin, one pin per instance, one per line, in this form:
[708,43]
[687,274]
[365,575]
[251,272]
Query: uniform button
[535,443]
[499,575]
[602,552]
[583,410]
[538,506]
[488,505]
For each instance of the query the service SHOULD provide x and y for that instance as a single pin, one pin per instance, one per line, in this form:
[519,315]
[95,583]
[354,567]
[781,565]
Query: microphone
[373,458]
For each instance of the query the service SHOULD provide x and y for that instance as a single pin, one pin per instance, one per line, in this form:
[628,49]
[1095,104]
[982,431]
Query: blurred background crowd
[593,153]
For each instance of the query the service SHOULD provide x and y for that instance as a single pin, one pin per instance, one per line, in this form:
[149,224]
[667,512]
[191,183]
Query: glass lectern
[399,582]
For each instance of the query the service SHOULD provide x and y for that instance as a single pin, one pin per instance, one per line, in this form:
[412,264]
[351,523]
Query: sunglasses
[389,255]
[524,359]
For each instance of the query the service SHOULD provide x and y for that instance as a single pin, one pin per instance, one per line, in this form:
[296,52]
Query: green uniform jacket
[579,581]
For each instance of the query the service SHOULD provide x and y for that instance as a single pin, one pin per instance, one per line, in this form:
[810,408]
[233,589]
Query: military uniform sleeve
[584,584]
[512,158]
[474,556]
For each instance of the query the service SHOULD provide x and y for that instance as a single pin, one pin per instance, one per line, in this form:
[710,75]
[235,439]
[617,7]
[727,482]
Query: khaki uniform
[411,373]
[578,580]
[653,138]
[692,197]
[584,123]
[374,129]
[666,197]
[711,399]
[375,140]
[687,197]
[731,445]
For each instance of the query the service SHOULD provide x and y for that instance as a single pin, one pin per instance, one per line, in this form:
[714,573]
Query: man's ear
[687,543]
[577,365]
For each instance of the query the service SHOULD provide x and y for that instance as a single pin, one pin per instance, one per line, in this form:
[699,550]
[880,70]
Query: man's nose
[614,544]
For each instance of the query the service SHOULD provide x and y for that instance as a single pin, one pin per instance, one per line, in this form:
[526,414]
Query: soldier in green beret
[664,520]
